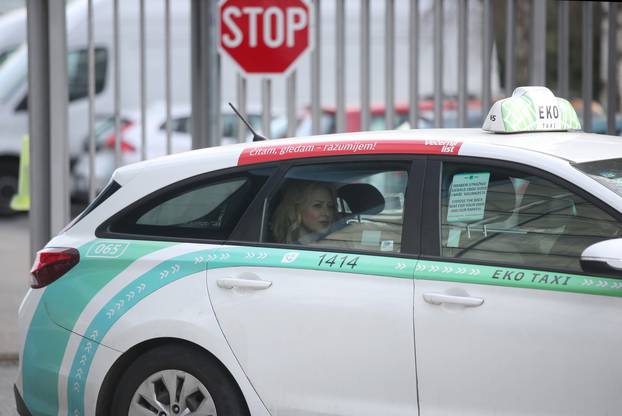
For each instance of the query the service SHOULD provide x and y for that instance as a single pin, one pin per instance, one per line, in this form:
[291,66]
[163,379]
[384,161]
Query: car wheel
[177,380]
[8,185]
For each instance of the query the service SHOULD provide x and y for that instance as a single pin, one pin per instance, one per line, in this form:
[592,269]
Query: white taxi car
[430,272]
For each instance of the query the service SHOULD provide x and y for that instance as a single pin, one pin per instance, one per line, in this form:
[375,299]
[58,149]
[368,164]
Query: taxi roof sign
[531,109]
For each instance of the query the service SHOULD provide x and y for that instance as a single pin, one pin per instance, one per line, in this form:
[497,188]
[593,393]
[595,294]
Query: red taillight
[51,263]
[125,146]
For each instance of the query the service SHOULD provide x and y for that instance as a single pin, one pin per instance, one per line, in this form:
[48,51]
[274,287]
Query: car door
[506,323]
[324,326]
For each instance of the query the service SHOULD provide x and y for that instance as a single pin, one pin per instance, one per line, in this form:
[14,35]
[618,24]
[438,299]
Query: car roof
[576,147]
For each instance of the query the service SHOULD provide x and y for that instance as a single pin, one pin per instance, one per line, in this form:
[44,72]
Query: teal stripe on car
[179,267]
[46,342]
[163,274]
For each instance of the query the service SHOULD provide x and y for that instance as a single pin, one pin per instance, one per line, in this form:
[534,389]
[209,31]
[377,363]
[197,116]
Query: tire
[182,378]
[8,185]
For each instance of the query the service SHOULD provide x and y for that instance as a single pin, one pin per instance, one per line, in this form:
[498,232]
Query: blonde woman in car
[305,214]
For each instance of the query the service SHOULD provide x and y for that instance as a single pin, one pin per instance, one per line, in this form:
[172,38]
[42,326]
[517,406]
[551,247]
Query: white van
[14,74]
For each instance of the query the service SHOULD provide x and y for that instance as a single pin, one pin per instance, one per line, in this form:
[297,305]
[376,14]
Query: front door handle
[254,284]
[440,298]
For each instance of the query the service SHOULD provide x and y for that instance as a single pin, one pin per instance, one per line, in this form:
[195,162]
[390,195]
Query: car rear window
[202,209]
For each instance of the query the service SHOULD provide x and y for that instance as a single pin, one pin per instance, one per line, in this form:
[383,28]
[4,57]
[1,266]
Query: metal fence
[364,52]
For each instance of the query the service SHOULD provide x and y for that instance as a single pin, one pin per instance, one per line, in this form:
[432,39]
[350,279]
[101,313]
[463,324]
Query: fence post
[47,124]
[612,60]
[537,74]
[586,52]
[205,70]
[562,49]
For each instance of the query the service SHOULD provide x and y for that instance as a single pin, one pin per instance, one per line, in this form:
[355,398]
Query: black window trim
[412,217]
[431,247]
[111,188]
[103,230]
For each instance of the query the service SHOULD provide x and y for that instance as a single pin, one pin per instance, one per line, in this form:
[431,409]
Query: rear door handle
[440,298]
[253,284]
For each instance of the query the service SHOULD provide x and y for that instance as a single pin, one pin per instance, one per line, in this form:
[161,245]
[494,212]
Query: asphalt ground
[8,373]
[15,266]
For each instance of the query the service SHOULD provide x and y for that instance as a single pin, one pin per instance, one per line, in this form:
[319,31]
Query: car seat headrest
[362,198]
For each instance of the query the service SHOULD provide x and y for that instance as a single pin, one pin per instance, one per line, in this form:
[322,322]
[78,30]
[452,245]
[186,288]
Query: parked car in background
[131,141]
[328,121]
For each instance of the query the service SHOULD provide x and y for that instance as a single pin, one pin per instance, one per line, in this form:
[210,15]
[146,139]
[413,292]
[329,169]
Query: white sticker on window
[370,238]
[467,197]
[386,245]
[453,239]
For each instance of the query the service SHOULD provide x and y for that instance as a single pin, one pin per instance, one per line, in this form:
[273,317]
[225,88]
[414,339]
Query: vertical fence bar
[38,124]
[117,85]
[612,85]
[167,74]
[340,66]
[365,65]
[212,69]
[510,45]
[59,146]
[266,112]
[586,53]
[413,64]
[315,72]
[291,105]
[462,61]
[143,85]
[91,94]
[389,64]
[486,57]
[438,63]
[241,105]
[562,48]
[538,47]
[196,73]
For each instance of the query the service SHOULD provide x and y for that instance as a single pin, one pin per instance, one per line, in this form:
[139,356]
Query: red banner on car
[258,154]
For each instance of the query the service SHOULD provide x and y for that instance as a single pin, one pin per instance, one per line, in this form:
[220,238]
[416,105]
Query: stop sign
[265,36]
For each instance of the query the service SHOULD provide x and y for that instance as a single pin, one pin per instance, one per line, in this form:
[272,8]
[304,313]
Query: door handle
[440,298]
[254,284]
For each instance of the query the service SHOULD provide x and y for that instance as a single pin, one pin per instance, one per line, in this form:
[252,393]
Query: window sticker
[453,239]
[269,153]
[370,238]
[467,197]
[386,245]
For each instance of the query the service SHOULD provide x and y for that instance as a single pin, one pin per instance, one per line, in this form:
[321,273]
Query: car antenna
[256,136]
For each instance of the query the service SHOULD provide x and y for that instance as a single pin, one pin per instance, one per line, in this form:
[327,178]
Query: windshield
[607,172]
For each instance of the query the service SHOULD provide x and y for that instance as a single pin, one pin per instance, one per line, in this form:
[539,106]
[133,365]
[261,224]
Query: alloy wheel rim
[172,393]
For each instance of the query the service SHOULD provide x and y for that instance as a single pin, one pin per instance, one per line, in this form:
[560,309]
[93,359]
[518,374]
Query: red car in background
[328,121]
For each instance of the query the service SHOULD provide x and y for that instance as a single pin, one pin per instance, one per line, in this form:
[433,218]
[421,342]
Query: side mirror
[603,258]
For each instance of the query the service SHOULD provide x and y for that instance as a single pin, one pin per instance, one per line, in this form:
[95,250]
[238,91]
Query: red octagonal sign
[265,37]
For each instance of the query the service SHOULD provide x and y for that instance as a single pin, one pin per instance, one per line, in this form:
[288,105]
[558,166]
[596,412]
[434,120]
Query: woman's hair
[286,222]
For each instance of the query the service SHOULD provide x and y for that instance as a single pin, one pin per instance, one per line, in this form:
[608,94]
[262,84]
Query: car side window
[501,215]
[206,210]
[357,206]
